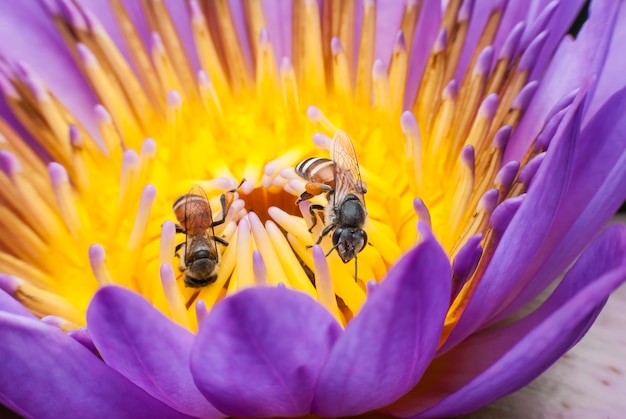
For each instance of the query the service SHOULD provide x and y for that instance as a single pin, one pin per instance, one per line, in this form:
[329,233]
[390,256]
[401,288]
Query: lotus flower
[492,146]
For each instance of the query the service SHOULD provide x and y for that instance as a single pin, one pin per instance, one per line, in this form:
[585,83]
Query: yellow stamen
[245,272]
[167,244]
[141,220]
[324,283]
[97,258]
[398,72]
[40,302]
[366,54]
[172,295]
[263,242]
[259,268]
[161,23]
[207,51]
[65,200]
[109,94]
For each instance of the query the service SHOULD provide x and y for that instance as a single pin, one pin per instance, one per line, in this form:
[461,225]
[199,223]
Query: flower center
[260,200]
[167,127]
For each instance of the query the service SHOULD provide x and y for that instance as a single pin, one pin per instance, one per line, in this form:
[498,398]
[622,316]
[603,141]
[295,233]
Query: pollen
[86,208]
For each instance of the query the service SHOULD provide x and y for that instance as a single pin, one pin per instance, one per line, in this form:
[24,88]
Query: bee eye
[362,236]
[337,234]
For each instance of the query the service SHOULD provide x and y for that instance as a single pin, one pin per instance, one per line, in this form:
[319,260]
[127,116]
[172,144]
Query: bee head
[349,242]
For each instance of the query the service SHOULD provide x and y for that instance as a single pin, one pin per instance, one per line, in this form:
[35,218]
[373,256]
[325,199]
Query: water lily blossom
[490,142]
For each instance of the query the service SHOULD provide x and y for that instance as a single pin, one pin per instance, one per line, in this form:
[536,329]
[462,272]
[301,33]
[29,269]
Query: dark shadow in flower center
[260,199]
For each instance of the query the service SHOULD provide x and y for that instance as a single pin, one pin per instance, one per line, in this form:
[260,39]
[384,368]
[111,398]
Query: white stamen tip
[167,244]
[203,79]
[58,174]
[174,100]
[314,114]
[201,311]
[379,70]
[335,45]
[76,139]
[9,164]
[296,185]
[372,287]
[288,173]
[285,65]
[97,258]
[167,274]
[323,141]
[259,268]
[130,158]
[408,123]
[247,187]
[421,210]
[86,55]
[149,193]
[102,115]
[97,255]
[148,147]
[270,168]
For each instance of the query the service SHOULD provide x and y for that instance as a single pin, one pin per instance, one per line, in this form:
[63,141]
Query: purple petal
[495,362]
[573,63]
[259,352]
[388,18]
[146,347]
[7,302]
[425,34]
[514,258]
[559,24]
[597,189]
[83,337]
[388,345]
[40,45]
[480,13]
[279,15]
[613,77]
[465,263]
[47,374]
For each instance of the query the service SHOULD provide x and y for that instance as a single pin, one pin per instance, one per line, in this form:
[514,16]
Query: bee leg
[326,231]
[225,202]
[304,197]
[193,298]
[182,267]
[238,186]
[179,229]
[314,210]
[313,189]
[220,240]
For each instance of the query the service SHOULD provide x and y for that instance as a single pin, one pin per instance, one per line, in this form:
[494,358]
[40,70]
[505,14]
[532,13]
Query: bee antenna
[355,269]
[238,186]
[331,250]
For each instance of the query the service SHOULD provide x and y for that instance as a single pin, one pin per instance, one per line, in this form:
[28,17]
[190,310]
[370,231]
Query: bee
[340,178]
[200,256]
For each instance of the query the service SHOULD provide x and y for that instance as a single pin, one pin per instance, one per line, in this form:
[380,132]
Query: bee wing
[198,216]
[347,173]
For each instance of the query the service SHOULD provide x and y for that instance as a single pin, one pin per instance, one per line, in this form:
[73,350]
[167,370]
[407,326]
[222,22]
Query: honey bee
[340,178]
[200,256]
